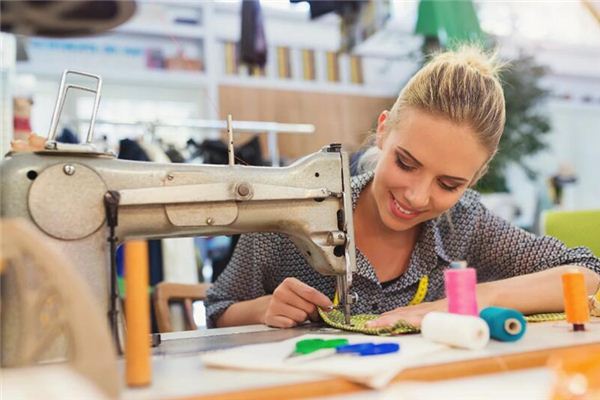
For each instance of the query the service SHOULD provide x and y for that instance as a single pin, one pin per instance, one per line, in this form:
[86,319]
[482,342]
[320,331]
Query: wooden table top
[178,372]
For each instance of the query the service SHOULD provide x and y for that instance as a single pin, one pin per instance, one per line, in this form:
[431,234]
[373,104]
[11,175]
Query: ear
[381,131]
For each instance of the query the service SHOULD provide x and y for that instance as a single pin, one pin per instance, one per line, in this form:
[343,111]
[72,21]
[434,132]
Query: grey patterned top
[497,249]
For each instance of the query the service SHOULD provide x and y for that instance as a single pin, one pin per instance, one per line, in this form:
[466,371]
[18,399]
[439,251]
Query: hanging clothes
[253,44]
[174,155]
[215,152]
[320,7]
[67,136]
[359,18]
[154,152]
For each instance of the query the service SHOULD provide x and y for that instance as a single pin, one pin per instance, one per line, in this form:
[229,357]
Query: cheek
[389,174]
[443,200]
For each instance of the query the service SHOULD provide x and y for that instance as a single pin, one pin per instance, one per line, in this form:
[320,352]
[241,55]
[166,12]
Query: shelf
[154,78]
[308,86]
[189,32]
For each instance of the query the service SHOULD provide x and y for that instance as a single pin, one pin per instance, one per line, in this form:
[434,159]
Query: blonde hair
[462,86]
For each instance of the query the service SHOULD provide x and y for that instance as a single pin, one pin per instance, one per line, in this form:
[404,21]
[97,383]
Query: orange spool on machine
[137,314]
[575,299]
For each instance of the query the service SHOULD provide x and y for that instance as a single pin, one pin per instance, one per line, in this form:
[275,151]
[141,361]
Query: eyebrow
[407,154]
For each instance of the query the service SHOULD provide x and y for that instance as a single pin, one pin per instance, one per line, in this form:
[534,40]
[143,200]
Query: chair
[574,228]
[167,292]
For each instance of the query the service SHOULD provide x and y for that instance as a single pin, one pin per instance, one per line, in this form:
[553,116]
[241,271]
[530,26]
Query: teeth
[402,210]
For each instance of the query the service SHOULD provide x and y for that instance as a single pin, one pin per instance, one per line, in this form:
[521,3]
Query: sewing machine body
[84,202]
[62,192]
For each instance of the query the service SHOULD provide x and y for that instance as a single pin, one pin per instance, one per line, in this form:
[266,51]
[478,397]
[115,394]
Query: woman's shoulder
[470,199]
[467,210]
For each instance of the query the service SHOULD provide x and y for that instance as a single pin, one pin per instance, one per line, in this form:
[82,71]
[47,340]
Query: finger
[298,302]
[284,294]
[382,322]
[405,309]
[308,293]
[288,311]
[314,316]
[391,312]
[390,320]
[279,321]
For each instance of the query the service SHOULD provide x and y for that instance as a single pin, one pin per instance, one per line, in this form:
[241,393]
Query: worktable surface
[179,373]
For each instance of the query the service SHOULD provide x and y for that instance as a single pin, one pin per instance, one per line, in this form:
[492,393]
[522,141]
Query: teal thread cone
[506,325]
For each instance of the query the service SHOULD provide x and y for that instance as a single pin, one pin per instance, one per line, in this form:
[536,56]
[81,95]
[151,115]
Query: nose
[418,195]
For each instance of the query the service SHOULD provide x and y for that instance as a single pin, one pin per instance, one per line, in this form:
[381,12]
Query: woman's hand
[292,303]
[411,314]
[33,143]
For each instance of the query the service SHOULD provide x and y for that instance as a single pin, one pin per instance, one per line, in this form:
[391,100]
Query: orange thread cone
[137,314]
[575,298]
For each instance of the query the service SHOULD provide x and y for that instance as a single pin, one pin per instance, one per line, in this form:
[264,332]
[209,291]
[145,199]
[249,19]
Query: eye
[448,188]
[403,165]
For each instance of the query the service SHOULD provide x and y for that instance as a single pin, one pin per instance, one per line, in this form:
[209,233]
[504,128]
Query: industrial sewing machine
[85,202]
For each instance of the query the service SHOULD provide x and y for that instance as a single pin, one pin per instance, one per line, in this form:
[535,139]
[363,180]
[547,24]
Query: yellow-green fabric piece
[335,318]
[545,317]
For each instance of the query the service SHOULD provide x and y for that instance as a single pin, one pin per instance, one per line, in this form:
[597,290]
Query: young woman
[413,214]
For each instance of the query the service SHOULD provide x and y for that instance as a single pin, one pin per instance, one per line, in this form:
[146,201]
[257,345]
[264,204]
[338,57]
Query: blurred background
[303,74]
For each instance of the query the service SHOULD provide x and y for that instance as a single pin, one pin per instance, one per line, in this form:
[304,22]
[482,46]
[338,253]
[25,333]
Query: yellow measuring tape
[421,291]
[417,299]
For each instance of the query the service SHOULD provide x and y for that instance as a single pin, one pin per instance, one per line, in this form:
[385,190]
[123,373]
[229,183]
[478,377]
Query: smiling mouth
[403,211]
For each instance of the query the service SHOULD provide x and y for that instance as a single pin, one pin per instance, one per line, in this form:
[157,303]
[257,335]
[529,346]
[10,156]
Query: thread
[506,324]
[137,314]
[465,331]
[575,299]
[461,282]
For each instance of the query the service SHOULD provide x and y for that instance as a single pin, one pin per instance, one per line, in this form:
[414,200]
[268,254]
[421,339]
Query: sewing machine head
[73,193]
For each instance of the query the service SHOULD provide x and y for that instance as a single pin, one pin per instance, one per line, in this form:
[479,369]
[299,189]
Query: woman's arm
[247,312]
[533,293]
[242,294]
[292,303]
[243,278]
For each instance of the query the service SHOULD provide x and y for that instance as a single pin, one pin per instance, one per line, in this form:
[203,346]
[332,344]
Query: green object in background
[451,21]
[574,228]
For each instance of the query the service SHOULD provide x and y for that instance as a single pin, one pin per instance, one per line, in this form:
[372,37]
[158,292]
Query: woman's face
[427,163]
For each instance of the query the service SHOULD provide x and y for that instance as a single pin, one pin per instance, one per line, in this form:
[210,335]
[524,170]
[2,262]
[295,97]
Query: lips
[400,211]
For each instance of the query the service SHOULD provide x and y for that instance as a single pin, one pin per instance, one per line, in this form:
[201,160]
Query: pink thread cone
[461,291]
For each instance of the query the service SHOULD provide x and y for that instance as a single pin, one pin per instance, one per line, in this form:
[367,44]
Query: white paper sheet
[373,371]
